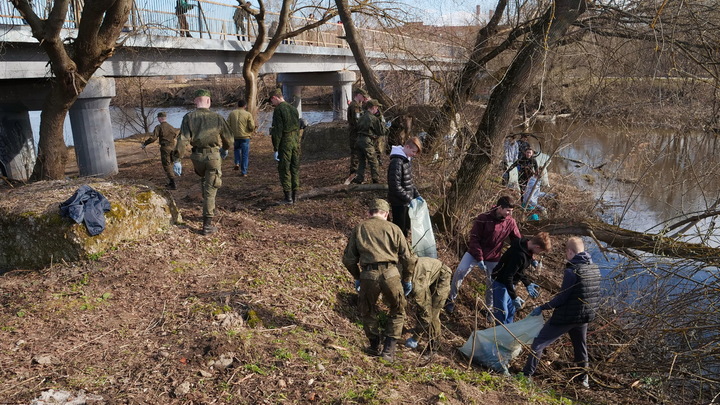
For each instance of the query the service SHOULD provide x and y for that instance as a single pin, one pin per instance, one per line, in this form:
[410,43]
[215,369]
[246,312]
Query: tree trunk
[467,79]
[621,238]
[52,151]
[501,109]
[358,50]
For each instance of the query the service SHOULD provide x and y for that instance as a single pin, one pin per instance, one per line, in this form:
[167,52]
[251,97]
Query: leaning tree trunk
[355,43]
[501,108]
[464,86]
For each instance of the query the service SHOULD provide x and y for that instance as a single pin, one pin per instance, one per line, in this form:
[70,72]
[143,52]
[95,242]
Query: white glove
[177,168]
[276,157]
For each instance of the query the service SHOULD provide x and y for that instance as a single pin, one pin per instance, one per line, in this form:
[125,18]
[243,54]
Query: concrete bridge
[151,45]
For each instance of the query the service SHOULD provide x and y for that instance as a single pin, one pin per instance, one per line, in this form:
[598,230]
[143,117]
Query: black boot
[375,348]
[294,196]
[171,185]
[288,198]
[208,227]
[388,353]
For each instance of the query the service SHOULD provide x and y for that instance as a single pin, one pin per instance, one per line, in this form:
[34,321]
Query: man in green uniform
[285,132]
[354,112]
[166,134]
[210,137]
[374,250]
[431,286]
[369,129]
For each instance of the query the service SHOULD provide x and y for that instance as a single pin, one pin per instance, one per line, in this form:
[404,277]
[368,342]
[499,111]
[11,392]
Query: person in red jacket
[488,233]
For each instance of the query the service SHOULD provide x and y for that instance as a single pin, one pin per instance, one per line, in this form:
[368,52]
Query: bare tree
[501,109]
[72,63]
[261,51]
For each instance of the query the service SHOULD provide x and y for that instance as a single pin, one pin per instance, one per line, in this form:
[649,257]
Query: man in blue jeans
[485,244]
[574,307]
[242,126]
[511,269]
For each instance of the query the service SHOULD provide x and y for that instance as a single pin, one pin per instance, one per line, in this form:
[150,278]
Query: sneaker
[585,381]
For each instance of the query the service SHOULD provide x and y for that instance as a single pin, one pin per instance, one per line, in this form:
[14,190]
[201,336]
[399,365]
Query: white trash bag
[496,347]
[423,238]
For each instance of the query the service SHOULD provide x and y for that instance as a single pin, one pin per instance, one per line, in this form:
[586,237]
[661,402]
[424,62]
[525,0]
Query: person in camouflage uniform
[354,112]
[209,135]
[431,286]
[166,134]
[370,128]
[285,132]
[375,249]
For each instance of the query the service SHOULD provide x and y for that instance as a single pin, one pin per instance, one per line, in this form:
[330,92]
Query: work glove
[143,146]
[177,168]
[388,124]
[407,287]
[535,263]
[482,266]
[518,302]
[412,204]
[276,157]
[223,153]
[419,198]
[357,285]
[534,290]
[411,343]
[537,311]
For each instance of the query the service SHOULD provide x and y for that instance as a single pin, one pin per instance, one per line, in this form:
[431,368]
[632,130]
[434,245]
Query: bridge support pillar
[341,82]
[17,148]
[293,95]
[92,130]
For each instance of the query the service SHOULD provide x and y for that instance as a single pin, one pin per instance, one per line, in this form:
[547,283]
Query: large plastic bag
[423,238]
[496,347]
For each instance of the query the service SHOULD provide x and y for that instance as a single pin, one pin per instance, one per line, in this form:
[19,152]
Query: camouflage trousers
[368,156]
[289,165]
[374,280]
[207,165]
[166,159]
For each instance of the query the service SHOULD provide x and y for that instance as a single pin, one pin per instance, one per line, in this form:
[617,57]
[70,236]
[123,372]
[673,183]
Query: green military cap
[361,91]
[276,93]
[372,102]
[162,114]
[379,204]
[202,93]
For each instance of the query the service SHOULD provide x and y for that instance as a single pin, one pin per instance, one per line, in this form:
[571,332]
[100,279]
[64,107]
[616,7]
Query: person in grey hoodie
[401,190]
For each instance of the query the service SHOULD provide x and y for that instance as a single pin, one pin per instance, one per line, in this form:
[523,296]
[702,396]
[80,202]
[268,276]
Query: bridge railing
[214,19]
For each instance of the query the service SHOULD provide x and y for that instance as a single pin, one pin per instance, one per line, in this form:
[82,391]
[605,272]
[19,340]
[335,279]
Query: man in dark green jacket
[165,134]
[370,128]
[210,137]
[374,250]
[285,132]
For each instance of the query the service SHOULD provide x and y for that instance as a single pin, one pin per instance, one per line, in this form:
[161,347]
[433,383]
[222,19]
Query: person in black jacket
[574,307]
[401,190]
[511,269]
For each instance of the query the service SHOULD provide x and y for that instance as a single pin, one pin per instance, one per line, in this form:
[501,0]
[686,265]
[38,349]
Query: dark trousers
[550,333]
[401,218]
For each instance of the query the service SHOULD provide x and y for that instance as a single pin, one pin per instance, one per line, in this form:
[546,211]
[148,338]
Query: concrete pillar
[17,148]
[92,130]
[341,81]
[293,95]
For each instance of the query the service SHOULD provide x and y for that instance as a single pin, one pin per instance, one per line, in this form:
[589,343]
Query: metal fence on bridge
[214,19]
